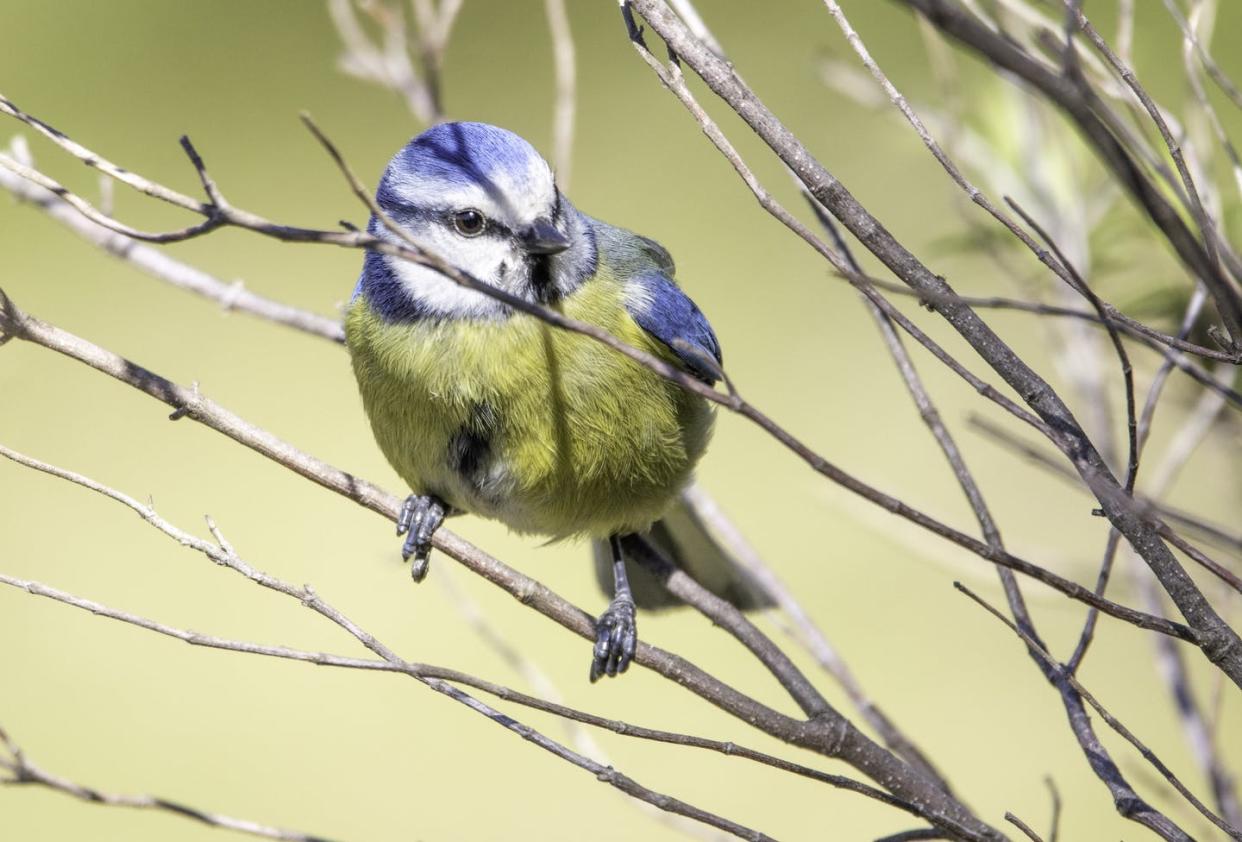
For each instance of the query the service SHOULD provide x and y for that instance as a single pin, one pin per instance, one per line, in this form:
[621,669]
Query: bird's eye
[469,223]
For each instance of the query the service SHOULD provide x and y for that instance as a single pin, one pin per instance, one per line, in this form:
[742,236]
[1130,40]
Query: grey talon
[420,517]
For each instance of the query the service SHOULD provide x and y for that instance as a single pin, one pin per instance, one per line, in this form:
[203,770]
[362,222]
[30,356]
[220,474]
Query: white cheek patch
[479,257]
[440,295]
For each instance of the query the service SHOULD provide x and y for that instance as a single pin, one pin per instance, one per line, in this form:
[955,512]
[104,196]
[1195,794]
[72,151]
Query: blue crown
[457,154]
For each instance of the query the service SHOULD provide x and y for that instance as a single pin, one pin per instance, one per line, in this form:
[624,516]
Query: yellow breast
[545,430]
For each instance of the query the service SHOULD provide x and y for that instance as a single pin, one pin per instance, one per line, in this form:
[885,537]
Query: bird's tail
[684,540]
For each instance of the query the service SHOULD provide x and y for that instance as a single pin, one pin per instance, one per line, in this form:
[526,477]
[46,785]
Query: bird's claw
[420,517]
[616,637]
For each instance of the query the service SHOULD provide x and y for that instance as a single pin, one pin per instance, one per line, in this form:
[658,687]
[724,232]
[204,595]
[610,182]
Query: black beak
[543,238]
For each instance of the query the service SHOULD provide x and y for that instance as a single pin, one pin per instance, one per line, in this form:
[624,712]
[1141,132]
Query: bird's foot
[616,636]
[420,517]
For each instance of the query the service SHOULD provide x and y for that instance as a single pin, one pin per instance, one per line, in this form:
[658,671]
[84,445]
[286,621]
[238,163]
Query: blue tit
[490,411]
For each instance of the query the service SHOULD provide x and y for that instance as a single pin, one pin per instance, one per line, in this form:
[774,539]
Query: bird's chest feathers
[450,368]
[501,416]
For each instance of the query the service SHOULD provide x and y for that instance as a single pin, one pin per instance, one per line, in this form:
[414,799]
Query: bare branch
[1023,826]
[230,296]
[420,670]
[189,403]
[833,738]
[973,193]
[911,835]
[1169,660]
[1155,818]
[87,210]
[1143,504]
[672,78]
[1217,75]
[695,21]
[1190,50]
[1213,243]
[803,629]
[407,250]
[931,417]
[435,25]
[1079,285]
[386,62]
[724,614]
[1219,643]
[223,554]
[86,156]
[566,90]
[1086,111]
[16,769]
[1055,822]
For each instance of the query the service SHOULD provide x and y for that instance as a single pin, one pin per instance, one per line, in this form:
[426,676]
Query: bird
[483,409]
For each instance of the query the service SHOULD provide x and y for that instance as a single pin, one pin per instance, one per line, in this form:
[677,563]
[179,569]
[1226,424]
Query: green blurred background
[357,756]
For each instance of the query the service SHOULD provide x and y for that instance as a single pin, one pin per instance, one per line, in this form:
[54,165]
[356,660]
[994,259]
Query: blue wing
[668,314]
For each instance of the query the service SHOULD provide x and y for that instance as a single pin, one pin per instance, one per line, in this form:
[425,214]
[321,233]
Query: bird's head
[483,199]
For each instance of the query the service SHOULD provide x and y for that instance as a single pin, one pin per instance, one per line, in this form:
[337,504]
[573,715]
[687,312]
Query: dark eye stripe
[406,212]
[495,229]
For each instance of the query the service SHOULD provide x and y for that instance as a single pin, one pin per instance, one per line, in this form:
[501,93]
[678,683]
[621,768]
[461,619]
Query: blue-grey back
[628,253]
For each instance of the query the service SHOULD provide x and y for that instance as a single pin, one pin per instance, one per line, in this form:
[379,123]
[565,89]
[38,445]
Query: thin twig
[88,210]
[566,90]
[1190,50]
[435,25]
[1101,131]
[1079,285]
[1227,85]
[1054,824]
[1022,826]
[672,78]
[912,835]
[944,439]
[1127,370]
[16,769]
[724,614]
[422,670]
[834,739]
[387,61]
[1147,506]
[697,25]
[1125,30]
[1228,298]
[1169,660]
[223,554]
[232,296]
[407,249]
[1212,532]
[1219,643]
[803,629]
[29,328]
[1111,720]
[1056,265]
[188,403]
